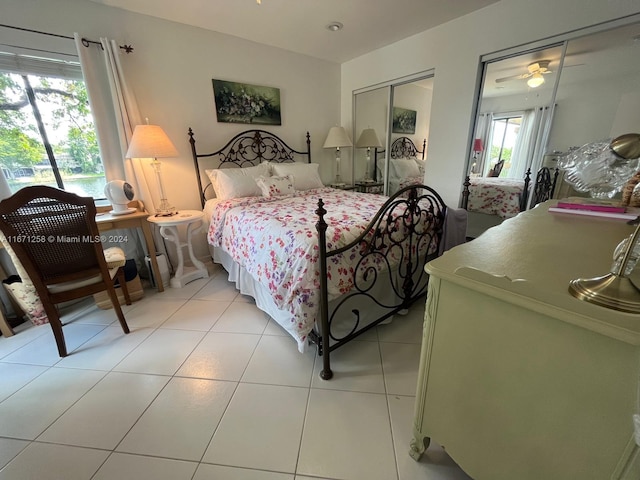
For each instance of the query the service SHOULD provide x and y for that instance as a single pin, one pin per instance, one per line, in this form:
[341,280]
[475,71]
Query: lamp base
[166,214]
[165,209]
[610,291]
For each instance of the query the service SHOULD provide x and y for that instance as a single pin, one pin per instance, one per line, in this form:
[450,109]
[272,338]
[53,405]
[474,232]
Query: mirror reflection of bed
[491,200]
[406,164]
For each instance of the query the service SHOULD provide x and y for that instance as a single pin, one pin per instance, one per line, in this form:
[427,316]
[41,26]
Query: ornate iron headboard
[246,149]
[402,147]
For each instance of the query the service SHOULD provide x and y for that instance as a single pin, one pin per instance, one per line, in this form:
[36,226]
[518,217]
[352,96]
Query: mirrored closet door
[536,104]
[371,113]
[391,128]
[410,118]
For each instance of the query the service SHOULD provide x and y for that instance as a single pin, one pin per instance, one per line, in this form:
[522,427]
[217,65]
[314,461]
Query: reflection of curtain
[116,114]
[531,142]
[483,128]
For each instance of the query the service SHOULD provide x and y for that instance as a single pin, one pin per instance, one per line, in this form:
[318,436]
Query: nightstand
[370,187]
[169,230]
[342,186]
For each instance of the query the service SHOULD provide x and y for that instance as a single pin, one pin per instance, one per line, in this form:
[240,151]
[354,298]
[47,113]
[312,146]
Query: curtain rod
[85,42]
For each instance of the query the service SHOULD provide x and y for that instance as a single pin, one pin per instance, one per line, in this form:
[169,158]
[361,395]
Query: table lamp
[478,147]
[337,138]
[368,139]
[150,141]
[615,290]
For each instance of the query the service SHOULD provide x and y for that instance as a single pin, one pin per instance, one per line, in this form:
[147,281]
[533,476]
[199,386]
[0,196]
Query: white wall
[454,51]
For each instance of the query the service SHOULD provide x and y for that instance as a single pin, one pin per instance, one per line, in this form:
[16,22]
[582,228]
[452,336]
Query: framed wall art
[404,120]
[245,103]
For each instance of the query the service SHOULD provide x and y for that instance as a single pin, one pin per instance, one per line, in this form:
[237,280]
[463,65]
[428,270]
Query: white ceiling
[300,25]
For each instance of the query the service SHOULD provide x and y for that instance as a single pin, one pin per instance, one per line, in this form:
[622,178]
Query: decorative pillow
[305,175]
[274,186]
[237,182]
[404,167]
[23,292]
[421,164]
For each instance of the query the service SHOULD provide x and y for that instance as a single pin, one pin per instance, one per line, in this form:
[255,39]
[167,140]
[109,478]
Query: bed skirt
[246,285]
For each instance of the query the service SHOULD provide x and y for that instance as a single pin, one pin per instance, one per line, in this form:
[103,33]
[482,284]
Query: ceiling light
[335,26]
[536,80]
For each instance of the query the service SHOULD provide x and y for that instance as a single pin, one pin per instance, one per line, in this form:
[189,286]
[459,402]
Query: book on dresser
[595,207]
[577,203]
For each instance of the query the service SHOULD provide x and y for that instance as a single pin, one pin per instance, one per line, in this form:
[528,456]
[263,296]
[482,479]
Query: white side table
[169,230]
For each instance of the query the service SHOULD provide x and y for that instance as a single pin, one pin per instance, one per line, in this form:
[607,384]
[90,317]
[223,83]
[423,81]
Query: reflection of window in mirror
[502,141]
[515,112]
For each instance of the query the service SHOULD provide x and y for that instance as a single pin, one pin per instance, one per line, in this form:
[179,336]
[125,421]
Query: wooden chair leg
[123,285]
[116,306]
[56,326]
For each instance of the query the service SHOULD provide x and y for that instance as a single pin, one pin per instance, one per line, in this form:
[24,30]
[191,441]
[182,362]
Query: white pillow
[237,182]
[421,165]
[274,186]
[305,175]
[404,167]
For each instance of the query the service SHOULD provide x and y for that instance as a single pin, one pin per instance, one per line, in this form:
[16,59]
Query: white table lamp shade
[337,138]
[368,138]
[150,141]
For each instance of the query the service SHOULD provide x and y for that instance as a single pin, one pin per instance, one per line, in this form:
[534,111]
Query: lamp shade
[337,138]
[150,141]
[368,138]
[478,145]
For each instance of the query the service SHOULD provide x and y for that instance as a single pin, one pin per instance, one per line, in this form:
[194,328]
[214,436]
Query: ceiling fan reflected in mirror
[535,74]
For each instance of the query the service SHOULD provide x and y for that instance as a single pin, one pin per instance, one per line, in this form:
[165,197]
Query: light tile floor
[207,386]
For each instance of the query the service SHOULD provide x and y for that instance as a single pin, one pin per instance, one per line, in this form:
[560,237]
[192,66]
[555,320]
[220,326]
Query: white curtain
[116,114]
[483,129]
[531,143]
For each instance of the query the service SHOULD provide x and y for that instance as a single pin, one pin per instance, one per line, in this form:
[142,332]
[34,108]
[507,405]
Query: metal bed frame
[408,227]
[402,147]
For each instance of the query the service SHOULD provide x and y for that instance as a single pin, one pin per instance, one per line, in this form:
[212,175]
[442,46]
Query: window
[47,135]
[503,135]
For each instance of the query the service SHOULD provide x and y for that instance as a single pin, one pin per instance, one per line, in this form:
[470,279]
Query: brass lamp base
[610,291]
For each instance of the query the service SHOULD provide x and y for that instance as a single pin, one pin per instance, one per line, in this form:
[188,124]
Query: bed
[406,163]
[490,200]
[326,264]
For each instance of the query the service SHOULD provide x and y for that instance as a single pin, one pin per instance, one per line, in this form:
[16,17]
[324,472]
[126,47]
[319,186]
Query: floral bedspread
[495,196]
[275,240]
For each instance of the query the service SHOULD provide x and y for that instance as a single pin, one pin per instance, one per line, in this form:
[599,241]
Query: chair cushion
[115,257]
[27,298]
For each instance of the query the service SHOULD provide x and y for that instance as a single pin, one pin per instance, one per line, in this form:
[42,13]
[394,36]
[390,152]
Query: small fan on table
[119,193]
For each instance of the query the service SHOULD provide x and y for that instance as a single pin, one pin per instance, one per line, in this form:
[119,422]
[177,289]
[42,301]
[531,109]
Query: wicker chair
[55,237]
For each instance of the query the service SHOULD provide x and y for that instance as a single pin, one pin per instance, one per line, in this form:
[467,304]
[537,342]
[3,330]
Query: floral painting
[404,120]
[244,103]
